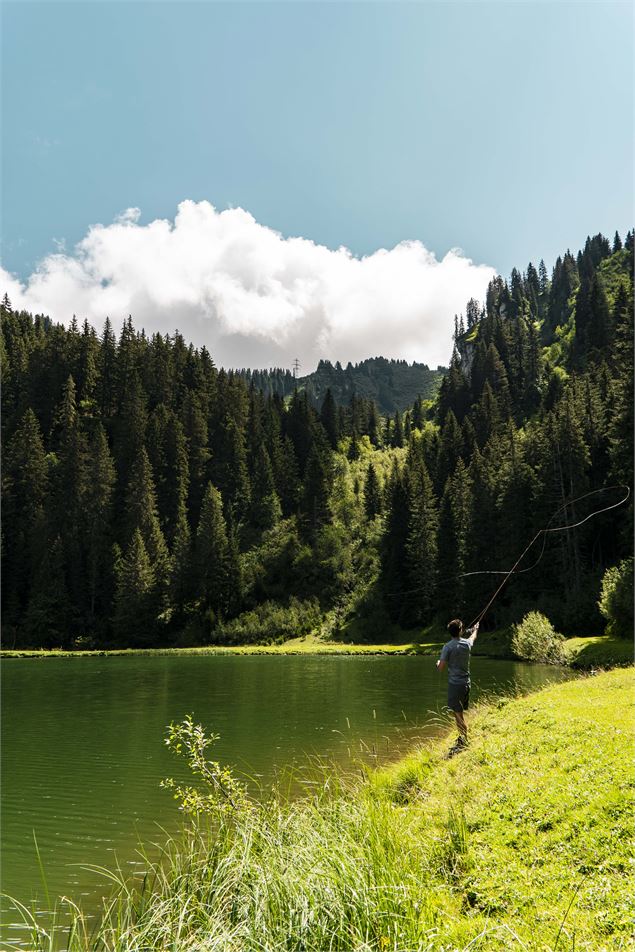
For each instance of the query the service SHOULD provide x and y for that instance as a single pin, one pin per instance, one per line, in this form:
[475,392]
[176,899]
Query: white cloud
[250,295]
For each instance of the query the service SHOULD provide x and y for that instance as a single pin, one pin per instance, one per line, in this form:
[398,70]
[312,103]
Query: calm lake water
[83,751]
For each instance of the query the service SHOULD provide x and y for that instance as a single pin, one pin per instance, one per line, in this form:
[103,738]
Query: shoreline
[594,651]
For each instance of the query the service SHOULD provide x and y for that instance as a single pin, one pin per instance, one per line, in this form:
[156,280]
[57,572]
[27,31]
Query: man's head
[455,627]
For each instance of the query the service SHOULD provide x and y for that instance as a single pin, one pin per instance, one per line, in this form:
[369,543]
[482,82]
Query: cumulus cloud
[253,297]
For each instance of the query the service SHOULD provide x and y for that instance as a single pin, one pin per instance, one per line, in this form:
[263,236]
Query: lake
[83,752]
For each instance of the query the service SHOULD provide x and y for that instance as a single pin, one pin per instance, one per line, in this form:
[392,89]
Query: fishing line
[547,530]
[541,532]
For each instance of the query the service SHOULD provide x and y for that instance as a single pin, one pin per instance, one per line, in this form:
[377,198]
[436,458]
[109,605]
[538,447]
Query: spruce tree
[265,508]
[328,419]
[136,606]
[211,556]
[48,620]
[96,523]
[454,538]
[372,493]
[421,547]
[25,486]
[181,588]
[141,514]
[315,505]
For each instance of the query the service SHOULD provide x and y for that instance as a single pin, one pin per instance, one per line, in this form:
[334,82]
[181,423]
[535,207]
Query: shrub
[616,599]
[269,622]
[535,639]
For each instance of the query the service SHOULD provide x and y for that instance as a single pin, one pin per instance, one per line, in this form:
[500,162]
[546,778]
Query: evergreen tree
[394,545]
[212,556]
[421,547]
[328,419]
[372,493]
[181,589]
[265,508]
[141,514]
[315,505]
[136,608]
[24,503]
[454,536]
[397,431]
[96,523]
[49,616]
[450,449]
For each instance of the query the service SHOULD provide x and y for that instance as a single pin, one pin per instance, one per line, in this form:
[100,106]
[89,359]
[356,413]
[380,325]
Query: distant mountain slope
[392,384]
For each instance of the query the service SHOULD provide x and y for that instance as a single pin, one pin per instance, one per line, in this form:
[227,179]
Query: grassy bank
[600,651]
[521,842]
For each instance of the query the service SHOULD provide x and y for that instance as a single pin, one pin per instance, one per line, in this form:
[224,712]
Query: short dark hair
[455,627]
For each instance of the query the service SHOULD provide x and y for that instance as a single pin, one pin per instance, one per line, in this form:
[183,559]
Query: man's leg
[462,726]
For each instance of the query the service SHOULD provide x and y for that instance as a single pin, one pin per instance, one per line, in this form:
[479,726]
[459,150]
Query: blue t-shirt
[457,655]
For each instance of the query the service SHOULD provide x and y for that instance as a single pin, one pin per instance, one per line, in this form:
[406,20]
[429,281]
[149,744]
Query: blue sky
[502,128]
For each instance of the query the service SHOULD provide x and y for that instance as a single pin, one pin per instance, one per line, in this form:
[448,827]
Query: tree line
[150,498]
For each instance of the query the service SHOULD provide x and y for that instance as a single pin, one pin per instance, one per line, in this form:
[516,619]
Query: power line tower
[296,368]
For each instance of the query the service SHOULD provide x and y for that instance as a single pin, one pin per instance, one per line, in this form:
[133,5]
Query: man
[455,655]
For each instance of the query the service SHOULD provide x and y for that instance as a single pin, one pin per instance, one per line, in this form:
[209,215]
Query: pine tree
[397,431]
[421,546]
[49,617]
[136,608]
[450,449]
[496,376]
[265,508]
[196,436]
[96,522]
[328,419]
[454,536]
[25,486]
[315,505]
[599,331]
[372,493]
[181,588]
[373,425]
[141,514]
[211,556]
[68,484]
[394,544]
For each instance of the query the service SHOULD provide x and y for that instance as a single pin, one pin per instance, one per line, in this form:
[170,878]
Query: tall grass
[339,868]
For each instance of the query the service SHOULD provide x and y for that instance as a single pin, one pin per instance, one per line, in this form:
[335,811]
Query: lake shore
[521,842]
[597,651]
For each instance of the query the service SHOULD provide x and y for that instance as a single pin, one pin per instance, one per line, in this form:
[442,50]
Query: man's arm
[473,632]
[443,659]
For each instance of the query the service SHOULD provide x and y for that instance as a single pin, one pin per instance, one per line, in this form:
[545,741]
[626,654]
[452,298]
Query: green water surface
[83,751]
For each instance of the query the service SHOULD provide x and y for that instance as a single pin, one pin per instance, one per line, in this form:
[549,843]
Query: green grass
[523,842]
[600,651]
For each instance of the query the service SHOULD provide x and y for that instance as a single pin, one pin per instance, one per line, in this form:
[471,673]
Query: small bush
[616,599]
[535,639]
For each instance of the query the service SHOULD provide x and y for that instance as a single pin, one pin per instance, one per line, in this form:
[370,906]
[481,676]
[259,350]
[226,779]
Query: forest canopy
[153,499]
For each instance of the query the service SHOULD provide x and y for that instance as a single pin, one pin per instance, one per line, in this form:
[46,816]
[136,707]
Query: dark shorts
[458,697]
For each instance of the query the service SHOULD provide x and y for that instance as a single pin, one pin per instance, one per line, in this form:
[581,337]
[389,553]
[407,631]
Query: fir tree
[372,493]
[212,555]
[421,547]
[136,608]
[328,419]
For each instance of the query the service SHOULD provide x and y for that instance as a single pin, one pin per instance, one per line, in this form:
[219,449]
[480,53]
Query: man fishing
[455,655]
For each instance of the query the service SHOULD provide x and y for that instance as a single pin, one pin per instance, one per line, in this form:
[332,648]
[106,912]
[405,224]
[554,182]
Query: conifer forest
[153,499]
